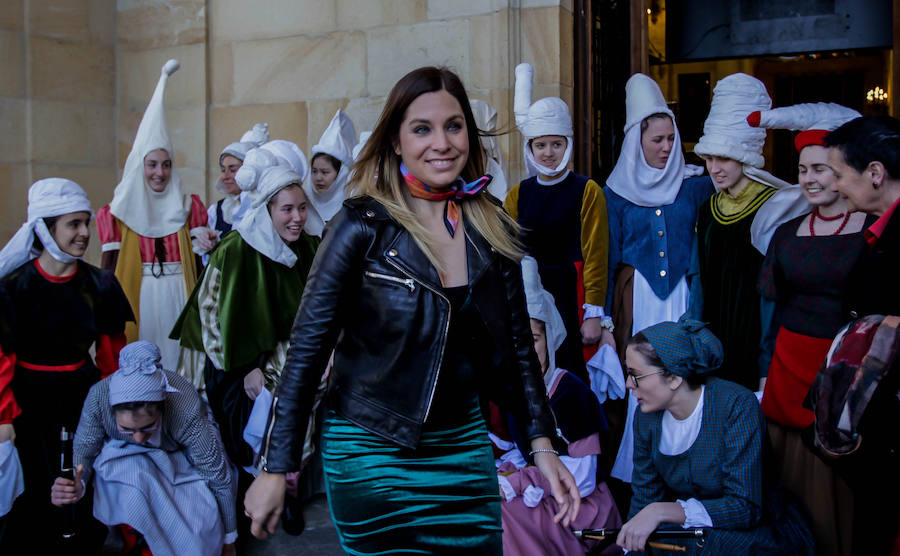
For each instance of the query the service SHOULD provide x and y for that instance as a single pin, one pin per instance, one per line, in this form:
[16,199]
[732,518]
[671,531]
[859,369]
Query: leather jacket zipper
[443,337]
[408,282]
[264,457]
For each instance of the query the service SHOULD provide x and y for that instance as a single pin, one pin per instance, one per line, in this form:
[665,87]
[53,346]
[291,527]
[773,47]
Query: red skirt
[795,364]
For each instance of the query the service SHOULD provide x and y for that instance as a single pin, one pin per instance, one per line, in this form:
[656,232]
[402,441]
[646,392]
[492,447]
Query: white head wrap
[289,154]
[145,211]
[486,120]
[258,134]
[726,133]
[542,307]
[363,137]
[256,227]
[826,116]
[790,202]
[140,377]
[548,116]
[632,178]
[338,141]
[46,198]
[255,137]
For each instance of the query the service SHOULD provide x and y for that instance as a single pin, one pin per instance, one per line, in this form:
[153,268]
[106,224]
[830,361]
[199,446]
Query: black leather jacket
[374,292]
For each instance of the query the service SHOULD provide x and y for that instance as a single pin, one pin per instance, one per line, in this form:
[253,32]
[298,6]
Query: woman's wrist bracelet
[543,451]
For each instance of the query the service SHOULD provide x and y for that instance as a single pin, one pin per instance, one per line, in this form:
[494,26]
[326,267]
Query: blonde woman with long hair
[418,290]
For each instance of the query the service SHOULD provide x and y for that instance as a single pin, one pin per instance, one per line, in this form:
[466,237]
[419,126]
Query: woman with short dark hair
[698,450]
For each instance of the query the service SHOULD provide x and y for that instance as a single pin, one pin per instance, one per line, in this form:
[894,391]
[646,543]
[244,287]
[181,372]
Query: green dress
[441,497]
[239,318]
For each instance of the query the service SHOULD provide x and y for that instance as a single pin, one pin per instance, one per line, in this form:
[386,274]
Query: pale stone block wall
[79,74]
[288,56]
[57,100]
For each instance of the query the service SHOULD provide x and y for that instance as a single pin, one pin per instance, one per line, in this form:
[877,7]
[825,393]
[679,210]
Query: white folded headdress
[46,198]
[263,175]
[547,116]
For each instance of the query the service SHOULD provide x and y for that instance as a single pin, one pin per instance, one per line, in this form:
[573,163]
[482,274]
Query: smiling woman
[410,273]
[54,310]
[253,281]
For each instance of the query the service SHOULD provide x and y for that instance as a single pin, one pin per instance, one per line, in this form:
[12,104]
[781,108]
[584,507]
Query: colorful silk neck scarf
[452,194]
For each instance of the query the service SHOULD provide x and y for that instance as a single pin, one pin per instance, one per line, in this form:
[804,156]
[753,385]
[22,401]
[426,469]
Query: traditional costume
[805,276]
[239,316]
[226,212]
[711,462]
[176,489]
[338,141]
[529,506]
[48,327]
[486,120]
[563,221]
[733,232]
[652,215]
[147,235]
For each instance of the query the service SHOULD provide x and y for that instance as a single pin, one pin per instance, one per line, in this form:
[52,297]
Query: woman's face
[157,169]
[229,166]
[139,425]
[538,331]
[654,392]
[855,188]
[657,141]
[815,176]
[288,211]
[433,140]
[72,233]
[323,173]
[549,150]
[725,172]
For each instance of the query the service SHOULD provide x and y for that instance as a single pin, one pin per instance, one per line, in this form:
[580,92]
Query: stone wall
[57,100]
[83,70]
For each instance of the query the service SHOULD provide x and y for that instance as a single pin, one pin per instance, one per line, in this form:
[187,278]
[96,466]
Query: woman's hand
[591,331]
[228,550]
[264,503]
[254,382]
[562,483]
[606,337]
[7,432]
[67,491]
[634,534]
[205,239]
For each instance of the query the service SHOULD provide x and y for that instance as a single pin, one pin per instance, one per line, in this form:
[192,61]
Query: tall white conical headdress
[143,210]
[338,141]
[547,116]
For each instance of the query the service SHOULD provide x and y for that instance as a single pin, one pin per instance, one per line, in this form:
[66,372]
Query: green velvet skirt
[439,498]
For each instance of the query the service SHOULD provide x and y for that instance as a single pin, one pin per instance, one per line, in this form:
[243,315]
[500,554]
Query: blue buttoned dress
[656,242]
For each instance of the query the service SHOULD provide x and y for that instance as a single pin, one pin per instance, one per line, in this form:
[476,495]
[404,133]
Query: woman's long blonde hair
[377,172]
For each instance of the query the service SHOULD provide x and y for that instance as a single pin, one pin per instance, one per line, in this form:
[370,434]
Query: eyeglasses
[635,378]
[148,429]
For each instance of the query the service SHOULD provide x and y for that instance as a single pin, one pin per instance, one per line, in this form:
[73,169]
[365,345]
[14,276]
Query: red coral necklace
[815,214]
